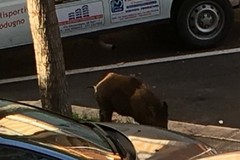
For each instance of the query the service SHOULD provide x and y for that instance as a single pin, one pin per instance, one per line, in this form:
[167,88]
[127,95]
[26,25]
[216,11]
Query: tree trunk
[49,56]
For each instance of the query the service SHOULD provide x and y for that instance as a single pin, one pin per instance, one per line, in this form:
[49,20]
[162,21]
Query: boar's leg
[105,115]
[105,109]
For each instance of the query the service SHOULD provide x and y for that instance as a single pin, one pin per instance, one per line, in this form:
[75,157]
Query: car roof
[7,141]
[36,126]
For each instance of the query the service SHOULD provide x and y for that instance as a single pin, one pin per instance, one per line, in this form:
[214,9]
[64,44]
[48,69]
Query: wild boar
[129,96]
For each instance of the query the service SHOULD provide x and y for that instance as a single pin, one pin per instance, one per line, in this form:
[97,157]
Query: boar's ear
[165,107]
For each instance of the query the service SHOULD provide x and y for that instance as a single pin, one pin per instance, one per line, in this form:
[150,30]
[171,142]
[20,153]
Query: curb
[223,139]
[206,131]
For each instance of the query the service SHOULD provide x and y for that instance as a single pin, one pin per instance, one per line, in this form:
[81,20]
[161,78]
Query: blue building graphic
[79,13]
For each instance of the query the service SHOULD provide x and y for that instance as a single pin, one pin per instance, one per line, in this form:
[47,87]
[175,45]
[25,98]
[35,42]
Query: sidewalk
[223,139]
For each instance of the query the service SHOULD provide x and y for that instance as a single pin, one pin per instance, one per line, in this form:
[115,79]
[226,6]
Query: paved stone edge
[196,130]
[207,131]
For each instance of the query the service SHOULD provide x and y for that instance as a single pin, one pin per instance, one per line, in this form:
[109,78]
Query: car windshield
[33,123]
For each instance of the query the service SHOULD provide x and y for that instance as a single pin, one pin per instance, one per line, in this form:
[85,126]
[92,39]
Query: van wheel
[203,23]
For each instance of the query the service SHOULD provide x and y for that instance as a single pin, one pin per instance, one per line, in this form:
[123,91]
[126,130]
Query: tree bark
[49,56]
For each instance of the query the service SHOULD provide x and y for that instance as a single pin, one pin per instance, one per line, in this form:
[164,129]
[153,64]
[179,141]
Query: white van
[200,23]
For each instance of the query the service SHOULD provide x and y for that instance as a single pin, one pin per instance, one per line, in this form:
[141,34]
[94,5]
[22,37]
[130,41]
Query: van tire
[203,23]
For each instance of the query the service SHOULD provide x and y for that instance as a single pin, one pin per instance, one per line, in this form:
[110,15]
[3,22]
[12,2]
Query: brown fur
[129,97]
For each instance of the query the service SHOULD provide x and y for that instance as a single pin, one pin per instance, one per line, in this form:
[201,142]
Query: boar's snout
[160,118]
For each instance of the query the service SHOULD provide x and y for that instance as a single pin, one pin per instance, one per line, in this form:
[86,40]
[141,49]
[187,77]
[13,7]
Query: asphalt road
[202,90]
[135,43]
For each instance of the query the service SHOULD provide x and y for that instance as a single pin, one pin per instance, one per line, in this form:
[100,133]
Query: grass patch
[85,117]
[95,118]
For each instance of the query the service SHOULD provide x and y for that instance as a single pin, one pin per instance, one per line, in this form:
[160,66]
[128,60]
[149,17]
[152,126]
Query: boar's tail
[93,87]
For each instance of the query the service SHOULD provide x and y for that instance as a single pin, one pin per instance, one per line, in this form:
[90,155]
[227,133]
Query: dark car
[31,133]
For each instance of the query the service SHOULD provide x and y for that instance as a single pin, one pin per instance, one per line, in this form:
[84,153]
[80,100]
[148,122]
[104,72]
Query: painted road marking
[129,64]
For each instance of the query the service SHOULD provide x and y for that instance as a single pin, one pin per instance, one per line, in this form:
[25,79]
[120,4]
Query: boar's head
[148,109]
[159,115]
